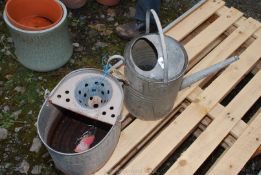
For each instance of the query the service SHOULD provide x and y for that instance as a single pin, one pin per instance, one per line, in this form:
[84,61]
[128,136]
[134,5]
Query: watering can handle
[113,69]
[118,64]
[162,40]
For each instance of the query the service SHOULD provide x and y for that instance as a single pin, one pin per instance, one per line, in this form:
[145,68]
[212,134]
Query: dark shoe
[131,30]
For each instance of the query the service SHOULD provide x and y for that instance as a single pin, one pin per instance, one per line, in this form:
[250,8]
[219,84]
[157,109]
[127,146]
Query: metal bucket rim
[89,69]
[38,31]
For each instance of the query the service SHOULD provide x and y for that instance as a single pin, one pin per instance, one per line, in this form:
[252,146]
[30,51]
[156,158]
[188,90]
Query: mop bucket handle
[162,40]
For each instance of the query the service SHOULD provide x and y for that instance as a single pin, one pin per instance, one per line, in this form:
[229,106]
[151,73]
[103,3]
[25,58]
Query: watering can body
[154,68]
[147,96]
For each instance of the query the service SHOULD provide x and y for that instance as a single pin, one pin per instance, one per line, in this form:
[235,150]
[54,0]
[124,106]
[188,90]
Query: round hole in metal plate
[95,94]
[96,105]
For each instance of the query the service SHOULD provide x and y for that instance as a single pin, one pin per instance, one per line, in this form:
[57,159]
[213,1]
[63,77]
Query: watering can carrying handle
[162,40]
[118,64]
[113,69]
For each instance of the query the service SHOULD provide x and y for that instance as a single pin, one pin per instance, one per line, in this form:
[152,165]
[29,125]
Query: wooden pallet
[211,33]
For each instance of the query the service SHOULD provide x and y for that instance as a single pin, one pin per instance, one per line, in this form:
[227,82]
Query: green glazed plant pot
[42,50]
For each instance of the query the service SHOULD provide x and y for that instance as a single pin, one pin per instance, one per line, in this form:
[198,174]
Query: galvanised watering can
[154,69]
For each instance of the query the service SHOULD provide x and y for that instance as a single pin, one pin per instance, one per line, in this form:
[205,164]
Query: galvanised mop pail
[84,98]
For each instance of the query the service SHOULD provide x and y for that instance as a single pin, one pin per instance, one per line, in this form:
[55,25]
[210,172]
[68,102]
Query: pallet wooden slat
[222,51]
[186,121]
[133,154]
[203,146]
[244,147]
[170,138]
[235,72]
[212,32]
[237,130]
[133,139]
[184,27]
[130,140]
[130,137]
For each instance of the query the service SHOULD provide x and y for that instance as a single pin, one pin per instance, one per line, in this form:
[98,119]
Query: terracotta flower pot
[32,15]
[108,2]
[74,4]
[42,50]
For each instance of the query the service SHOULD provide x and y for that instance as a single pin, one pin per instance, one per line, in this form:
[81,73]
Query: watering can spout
[189,80]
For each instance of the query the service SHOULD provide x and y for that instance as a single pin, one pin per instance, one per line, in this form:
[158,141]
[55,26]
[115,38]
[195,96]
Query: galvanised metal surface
[90,93]
[43,50]
[93,99]
[151,93]
[155,65]
[83,163]
[143,69]
[147,97]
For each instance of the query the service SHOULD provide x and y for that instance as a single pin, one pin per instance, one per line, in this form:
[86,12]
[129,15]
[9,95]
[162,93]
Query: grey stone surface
[20,89]
[36,145]
[76,45]
[100,44]
[17,113]
[3,133]
[36,169]
[23,167]
[132,12]
[30,112]
[6,108]
[110,18]
[17,129]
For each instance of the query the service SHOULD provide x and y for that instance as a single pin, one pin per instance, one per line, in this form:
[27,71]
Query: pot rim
[19,25]
[9,23]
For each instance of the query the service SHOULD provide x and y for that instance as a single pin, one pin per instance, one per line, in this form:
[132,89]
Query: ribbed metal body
[147,96]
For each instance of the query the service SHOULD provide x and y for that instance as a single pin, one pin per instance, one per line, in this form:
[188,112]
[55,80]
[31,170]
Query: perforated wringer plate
[88,92]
